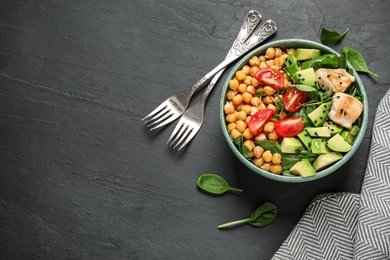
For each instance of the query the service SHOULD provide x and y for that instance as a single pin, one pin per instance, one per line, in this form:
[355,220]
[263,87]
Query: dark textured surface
[83,178]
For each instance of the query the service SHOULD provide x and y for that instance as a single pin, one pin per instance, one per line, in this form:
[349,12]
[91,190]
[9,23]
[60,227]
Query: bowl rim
[292,43]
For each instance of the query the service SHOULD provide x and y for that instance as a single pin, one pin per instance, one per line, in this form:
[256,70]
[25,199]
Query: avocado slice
[290,145]
[347,136]
[338,144]
[333,127]
[324,160]
[306,139]
[305,77]
[318,146]
[319,115]
[321,131]
[306,54]
[291,64]
[303,168]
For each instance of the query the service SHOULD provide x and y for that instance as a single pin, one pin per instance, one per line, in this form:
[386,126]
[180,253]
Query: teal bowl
[284,44]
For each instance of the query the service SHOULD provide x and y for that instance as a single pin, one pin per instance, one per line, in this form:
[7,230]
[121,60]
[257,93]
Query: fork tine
[180,131]
[173,136]
[189,138]
[169,117]
[183,137]
[156,116]
[156,111]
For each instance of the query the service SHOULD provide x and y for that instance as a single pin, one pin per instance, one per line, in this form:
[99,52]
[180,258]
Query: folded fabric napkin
[347,225]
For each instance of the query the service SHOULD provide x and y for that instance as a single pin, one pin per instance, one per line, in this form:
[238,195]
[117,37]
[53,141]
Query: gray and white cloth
[347,225]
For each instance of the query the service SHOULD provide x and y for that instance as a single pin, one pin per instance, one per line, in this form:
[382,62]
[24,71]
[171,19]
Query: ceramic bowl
[284,44]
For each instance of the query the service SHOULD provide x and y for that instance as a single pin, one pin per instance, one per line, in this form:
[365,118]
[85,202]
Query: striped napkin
[347,225]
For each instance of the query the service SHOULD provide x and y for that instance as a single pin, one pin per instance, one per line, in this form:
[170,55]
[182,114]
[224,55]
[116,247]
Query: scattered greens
[329,37]
[261,217]
[355,58]
[214,184]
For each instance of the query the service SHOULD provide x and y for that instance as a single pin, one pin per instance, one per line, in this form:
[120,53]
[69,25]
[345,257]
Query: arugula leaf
[355,58]
[329,37]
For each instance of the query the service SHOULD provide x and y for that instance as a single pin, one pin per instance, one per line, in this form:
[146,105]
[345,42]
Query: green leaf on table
[261,217]
[329,37]
[214,184]
[355,58]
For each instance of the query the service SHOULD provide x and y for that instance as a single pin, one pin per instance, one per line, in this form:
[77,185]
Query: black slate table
[81,175]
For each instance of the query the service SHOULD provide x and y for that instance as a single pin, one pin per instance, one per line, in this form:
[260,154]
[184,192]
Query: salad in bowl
[293,110]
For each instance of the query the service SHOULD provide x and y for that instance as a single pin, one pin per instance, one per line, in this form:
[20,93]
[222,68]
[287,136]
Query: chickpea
[253,70]
[276,158]
[246,109]
[267,156]
[247,134]
[251,89]
[255,82]
[248,118]
[290,51]
[254,61]
[270,53]
[269,91]
[247,97]
[267,100]
[254,110]
[261,137]
[273,108]
[242,88]
[269,127]
[273,136]
[258,162]
[262,106]
[266,166]
[231,126]
[230,94]
[245,69]
[278,52]
[237,99]
[255,101]
[276,169]
[240,75]
[240,125]
[262,58]
[279,62]
[235,134]
[228,108]
[248,80]
[233,84]
[249,144]
[231,118]
[241,115]
[263,65]
[270,63]
[258,151]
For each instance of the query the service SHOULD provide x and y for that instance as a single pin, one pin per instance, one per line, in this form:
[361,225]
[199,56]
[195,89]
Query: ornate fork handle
[265,31]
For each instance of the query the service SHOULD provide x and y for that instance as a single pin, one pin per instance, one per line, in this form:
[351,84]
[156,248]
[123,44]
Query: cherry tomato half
[258,121]
[270,77]
[289,127]
[293,99]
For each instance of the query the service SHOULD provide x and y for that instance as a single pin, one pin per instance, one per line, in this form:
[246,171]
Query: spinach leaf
[305,88]
[214,184]
[273,146]
[355,58]
[261,217]
[324,61]
[329,37]
[239,143]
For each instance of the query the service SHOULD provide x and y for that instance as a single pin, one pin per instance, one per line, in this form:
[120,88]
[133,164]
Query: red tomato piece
[289,127]
[258,121]
[270,77]
[293,99]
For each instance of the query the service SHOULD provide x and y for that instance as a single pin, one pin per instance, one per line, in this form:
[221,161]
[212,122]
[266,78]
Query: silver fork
[175,105]
[192,119]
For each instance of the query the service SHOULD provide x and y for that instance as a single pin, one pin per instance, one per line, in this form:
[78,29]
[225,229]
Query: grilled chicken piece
[335,80]
[345,109]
